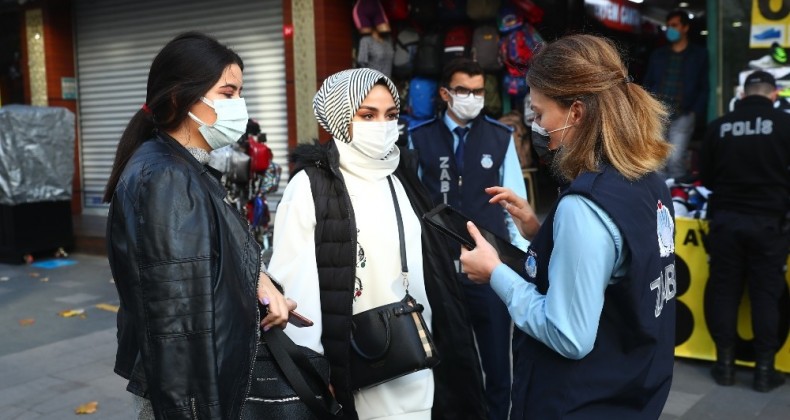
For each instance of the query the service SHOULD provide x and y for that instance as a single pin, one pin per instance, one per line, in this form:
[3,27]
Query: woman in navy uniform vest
[596,315]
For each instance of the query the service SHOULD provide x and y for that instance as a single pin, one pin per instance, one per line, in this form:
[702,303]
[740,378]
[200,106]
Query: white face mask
[466,108]
[231,122]
[374,139]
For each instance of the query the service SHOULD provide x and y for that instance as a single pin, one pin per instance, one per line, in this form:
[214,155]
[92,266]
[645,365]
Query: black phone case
[452,223]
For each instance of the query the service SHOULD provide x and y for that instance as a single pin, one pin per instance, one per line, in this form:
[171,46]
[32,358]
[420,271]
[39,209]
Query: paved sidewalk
[50,367]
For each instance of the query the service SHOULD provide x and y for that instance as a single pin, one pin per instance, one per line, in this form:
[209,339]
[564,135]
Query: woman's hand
[523,215]
[480,262]
[278,306]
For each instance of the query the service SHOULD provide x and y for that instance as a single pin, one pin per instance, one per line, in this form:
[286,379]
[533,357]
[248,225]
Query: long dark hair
[185,69]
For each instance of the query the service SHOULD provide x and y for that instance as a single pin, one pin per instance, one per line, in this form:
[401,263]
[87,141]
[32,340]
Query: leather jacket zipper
[257,335]
[194,408]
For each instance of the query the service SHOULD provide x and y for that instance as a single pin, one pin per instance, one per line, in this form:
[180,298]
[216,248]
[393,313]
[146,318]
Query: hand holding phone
[298,320]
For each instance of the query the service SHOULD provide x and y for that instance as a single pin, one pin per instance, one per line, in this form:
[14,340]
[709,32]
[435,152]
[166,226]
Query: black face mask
[541,140]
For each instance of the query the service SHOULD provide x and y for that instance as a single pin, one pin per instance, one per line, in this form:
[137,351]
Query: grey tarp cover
[36,154]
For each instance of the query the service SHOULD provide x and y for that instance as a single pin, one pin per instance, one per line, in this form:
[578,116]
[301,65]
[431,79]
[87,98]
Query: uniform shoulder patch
[421,124]
[497,123]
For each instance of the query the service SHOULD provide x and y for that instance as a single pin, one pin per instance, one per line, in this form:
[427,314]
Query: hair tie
[146,109]
[629,79]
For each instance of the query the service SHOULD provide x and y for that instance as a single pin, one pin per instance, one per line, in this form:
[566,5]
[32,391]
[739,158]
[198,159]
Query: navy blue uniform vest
[484,154]
[628,373]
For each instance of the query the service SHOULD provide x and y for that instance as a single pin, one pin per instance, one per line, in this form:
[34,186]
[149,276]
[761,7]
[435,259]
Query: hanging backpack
[429,54]
[517,48]
[422,97]
[482,9]
[452,10]
[260,155]
[485,48]
[516,85]
[493,101]
[457,43]
[508,19]
[405,52]
[423,10]
[396,9]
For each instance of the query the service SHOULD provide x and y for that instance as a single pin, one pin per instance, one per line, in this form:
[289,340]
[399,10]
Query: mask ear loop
[565,129]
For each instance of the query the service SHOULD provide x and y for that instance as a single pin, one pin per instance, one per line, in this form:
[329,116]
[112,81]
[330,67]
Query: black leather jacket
[186,270]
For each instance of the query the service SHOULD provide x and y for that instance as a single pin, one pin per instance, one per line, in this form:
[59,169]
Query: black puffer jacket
[186,270]
[458,378]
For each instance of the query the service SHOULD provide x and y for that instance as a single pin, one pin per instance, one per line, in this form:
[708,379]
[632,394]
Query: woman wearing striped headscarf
[336,252]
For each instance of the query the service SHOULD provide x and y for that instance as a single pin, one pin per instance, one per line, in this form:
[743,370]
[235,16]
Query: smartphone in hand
[298,320]
[294,318]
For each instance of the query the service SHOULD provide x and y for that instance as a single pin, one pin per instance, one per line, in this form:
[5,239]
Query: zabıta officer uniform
[459,178]
[628,372]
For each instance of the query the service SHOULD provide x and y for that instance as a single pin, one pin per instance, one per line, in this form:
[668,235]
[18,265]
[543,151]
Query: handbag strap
[295,366]
[404,268]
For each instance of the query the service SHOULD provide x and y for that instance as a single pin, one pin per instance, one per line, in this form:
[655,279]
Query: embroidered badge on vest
[486,161]
[665,230]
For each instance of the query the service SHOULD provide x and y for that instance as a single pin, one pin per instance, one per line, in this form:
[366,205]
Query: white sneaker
[764,62]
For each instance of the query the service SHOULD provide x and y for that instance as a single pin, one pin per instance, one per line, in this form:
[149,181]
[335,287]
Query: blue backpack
[422,97]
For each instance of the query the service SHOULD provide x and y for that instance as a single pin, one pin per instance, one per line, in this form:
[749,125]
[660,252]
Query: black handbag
[392,340]
[289,382]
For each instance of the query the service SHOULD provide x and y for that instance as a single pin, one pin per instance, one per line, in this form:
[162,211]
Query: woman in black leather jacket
[187,270]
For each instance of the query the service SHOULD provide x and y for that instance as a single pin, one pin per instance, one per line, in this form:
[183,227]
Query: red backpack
[396,9]
[260,156]
[457,43]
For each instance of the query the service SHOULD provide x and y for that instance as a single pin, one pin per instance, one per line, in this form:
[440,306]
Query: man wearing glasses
[462,152]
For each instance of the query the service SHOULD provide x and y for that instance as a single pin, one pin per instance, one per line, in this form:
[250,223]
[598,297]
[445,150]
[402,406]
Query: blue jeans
[679,134]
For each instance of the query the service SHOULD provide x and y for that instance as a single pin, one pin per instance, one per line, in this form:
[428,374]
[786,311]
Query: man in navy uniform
[744,161]
[462,152]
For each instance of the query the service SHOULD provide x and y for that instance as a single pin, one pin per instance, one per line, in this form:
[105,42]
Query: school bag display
[530,10]
[517,47]
[482,9]
[493,99]
[457,43]
[422,97]
[485,48]
[396,9]
[423,10]
[429,55]
[508,19]
[452,10]
[405,52]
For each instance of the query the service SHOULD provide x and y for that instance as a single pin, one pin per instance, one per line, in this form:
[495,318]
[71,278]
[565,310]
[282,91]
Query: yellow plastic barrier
[692,337]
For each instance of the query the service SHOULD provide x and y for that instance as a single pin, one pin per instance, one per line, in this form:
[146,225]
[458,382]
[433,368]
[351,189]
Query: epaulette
[421,123]
[501,124]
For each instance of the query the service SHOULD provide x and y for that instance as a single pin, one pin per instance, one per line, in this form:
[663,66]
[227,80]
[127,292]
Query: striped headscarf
[340,96]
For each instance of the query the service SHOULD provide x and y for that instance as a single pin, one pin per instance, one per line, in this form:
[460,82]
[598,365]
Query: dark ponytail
[183,71]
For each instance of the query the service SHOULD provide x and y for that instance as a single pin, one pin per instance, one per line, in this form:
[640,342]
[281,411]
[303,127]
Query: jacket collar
[754,100]
[181,152]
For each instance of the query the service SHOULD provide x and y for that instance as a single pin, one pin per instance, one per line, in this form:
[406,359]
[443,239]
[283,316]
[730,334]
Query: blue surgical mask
[673,35]
[231,122]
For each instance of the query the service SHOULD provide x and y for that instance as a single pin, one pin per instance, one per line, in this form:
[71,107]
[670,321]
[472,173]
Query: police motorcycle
[249,176]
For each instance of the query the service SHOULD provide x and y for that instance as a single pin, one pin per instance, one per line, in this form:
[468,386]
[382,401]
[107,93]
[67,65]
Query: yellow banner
[692,337]
[770,23]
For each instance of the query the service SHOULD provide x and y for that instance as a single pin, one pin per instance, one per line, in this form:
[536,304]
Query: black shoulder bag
[289,382]
[391,341]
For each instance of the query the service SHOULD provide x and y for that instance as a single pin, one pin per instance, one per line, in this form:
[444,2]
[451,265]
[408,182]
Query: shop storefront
[116,40]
